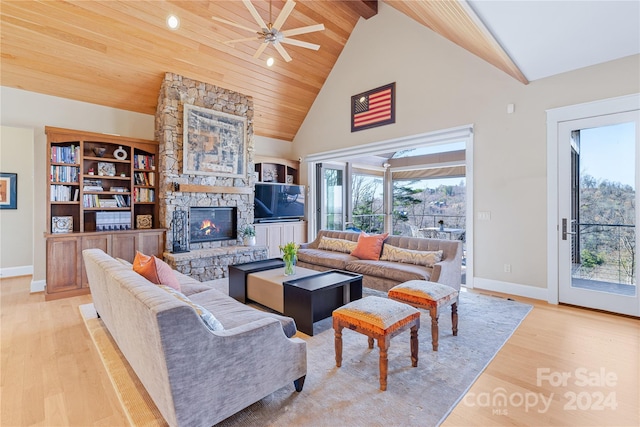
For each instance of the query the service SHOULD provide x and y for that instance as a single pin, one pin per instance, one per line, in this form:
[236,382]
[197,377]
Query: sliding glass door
[331,197]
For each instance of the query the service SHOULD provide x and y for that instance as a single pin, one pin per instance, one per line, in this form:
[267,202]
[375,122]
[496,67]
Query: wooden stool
[381,319]
[431,296]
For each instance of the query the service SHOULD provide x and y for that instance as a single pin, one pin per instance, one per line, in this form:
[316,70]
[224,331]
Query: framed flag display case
[376,107]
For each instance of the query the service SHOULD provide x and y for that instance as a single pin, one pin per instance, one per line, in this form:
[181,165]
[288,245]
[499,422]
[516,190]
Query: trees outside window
[367,213]
[423,203]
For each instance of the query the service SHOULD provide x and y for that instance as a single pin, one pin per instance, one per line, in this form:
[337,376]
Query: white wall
[272,147]
[439,85]
[16,225]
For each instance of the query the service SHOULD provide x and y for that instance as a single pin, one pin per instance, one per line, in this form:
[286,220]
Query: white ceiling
[545,37]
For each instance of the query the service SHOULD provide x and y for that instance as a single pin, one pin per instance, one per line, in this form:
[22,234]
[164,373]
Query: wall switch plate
[507,268]
[484,216]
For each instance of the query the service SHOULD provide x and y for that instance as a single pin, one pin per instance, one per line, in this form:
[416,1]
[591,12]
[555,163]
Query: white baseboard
[24,270]
[38,285]
[511,288]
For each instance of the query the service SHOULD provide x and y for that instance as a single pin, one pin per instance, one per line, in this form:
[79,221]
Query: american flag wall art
[373,108]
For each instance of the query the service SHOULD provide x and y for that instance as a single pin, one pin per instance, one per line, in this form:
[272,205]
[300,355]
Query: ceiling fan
[271,33]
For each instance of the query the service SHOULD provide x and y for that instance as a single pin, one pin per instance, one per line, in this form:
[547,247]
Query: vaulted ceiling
[115,53]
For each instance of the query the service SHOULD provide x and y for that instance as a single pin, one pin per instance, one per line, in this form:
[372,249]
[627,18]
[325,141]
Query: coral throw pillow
[155,270]
[369,247]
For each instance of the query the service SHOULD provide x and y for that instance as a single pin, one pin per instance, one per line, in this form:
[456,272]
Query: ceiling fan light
[173,22]
[270,61]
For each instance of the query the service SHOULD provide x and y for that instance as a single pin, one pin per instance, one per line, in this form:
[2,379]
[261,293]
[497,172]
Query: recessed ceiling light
[270,62]
[173,22]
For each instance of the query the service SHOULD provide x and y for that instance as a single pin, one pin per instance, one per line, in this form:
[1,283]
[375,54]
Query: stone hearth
[209,264]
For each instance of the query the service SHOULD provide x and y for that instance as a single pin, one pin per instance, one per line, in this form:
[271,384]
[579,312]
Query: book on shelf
[145,178]
[143,195]
[123,201]
[60,193]
[113,221]
[141,161]
[63,173]
[119,189]
[92,185]
[90,201]
[107,203]
[65,154]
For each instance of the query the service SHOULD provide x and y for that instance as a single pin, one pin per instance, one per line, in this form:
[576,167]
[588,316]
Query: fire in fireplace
[208,224]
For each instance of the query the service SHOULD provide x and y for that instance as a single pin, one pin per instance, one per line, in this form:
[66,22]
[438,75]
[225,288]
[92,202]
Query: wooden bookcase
[273,169]
[102,192]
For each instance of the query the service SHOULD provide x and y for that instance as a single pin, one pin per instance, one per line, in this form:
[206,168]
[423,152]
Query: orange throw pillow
[369,247]
[155,270]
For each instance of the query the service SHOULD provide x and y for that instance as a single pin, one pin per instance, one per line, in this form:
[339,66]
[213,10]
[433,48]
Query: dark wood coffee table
[312,298]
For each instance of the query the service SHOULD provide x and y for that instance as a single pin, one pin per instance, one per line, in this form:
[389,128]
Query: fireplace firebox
[208,224]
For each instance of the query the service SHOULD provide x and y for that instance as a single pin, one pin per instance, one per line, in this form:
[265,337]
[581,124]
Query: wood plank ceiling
[115,53]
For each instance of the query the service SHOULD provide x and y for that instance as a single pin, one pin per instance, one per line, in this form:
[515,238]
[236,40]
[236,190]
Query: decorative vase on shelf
[289,256]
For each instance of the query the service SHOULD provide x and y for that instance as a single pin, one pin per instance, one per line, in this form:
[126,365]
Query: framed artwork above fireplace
[214,143]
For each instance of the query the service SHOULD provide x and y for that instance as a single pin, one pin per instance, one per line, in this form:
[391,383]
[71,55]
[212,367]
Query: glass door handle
[564,229]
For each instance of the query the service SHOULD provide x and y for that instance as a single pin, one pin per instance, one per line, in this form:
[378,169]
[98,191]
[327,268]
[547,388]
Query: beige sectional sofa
[195,375]
[383,274]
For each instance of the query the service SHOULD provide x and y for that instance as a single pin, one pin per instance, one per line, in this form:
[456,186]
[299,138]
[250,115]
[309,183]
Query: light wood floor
[51,374]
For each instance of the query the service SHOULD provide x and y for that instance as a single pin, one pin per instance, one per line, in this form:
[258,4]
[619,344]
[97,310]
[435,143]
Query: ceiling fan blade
[261,49]
[233,24]
[303,30]
[284,14]
[246,39]
[282,52]
[300,43]
[254,13]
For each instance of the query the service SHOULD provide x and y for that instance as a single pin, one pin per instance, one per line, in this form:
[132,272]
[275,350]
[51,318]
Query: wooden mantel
[195,188]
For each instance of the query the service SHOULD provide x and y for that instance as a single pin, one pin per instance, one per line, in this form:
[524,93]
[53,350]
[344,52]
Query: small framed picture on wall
[8,190]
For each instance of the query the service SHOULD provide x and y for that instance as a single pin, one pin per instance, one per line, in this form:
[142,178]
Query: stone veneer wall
[175,92]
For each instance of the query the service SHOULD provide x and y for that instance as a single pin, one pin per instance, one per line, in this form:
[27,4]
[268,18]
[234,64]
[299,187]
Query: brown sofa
[383,275]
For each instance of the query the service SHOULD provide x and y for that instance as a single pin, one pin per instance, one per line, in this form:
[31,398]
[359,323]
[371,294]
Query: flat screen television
[278,202]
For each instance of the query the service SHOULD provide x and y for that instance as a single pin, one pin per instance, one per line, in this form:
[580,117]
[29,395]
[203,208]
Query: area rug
[350,395]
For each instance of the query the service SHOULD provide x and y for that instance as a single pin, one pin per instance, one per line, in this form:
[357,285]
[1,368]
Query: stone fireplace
[208,224]
[209,254]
